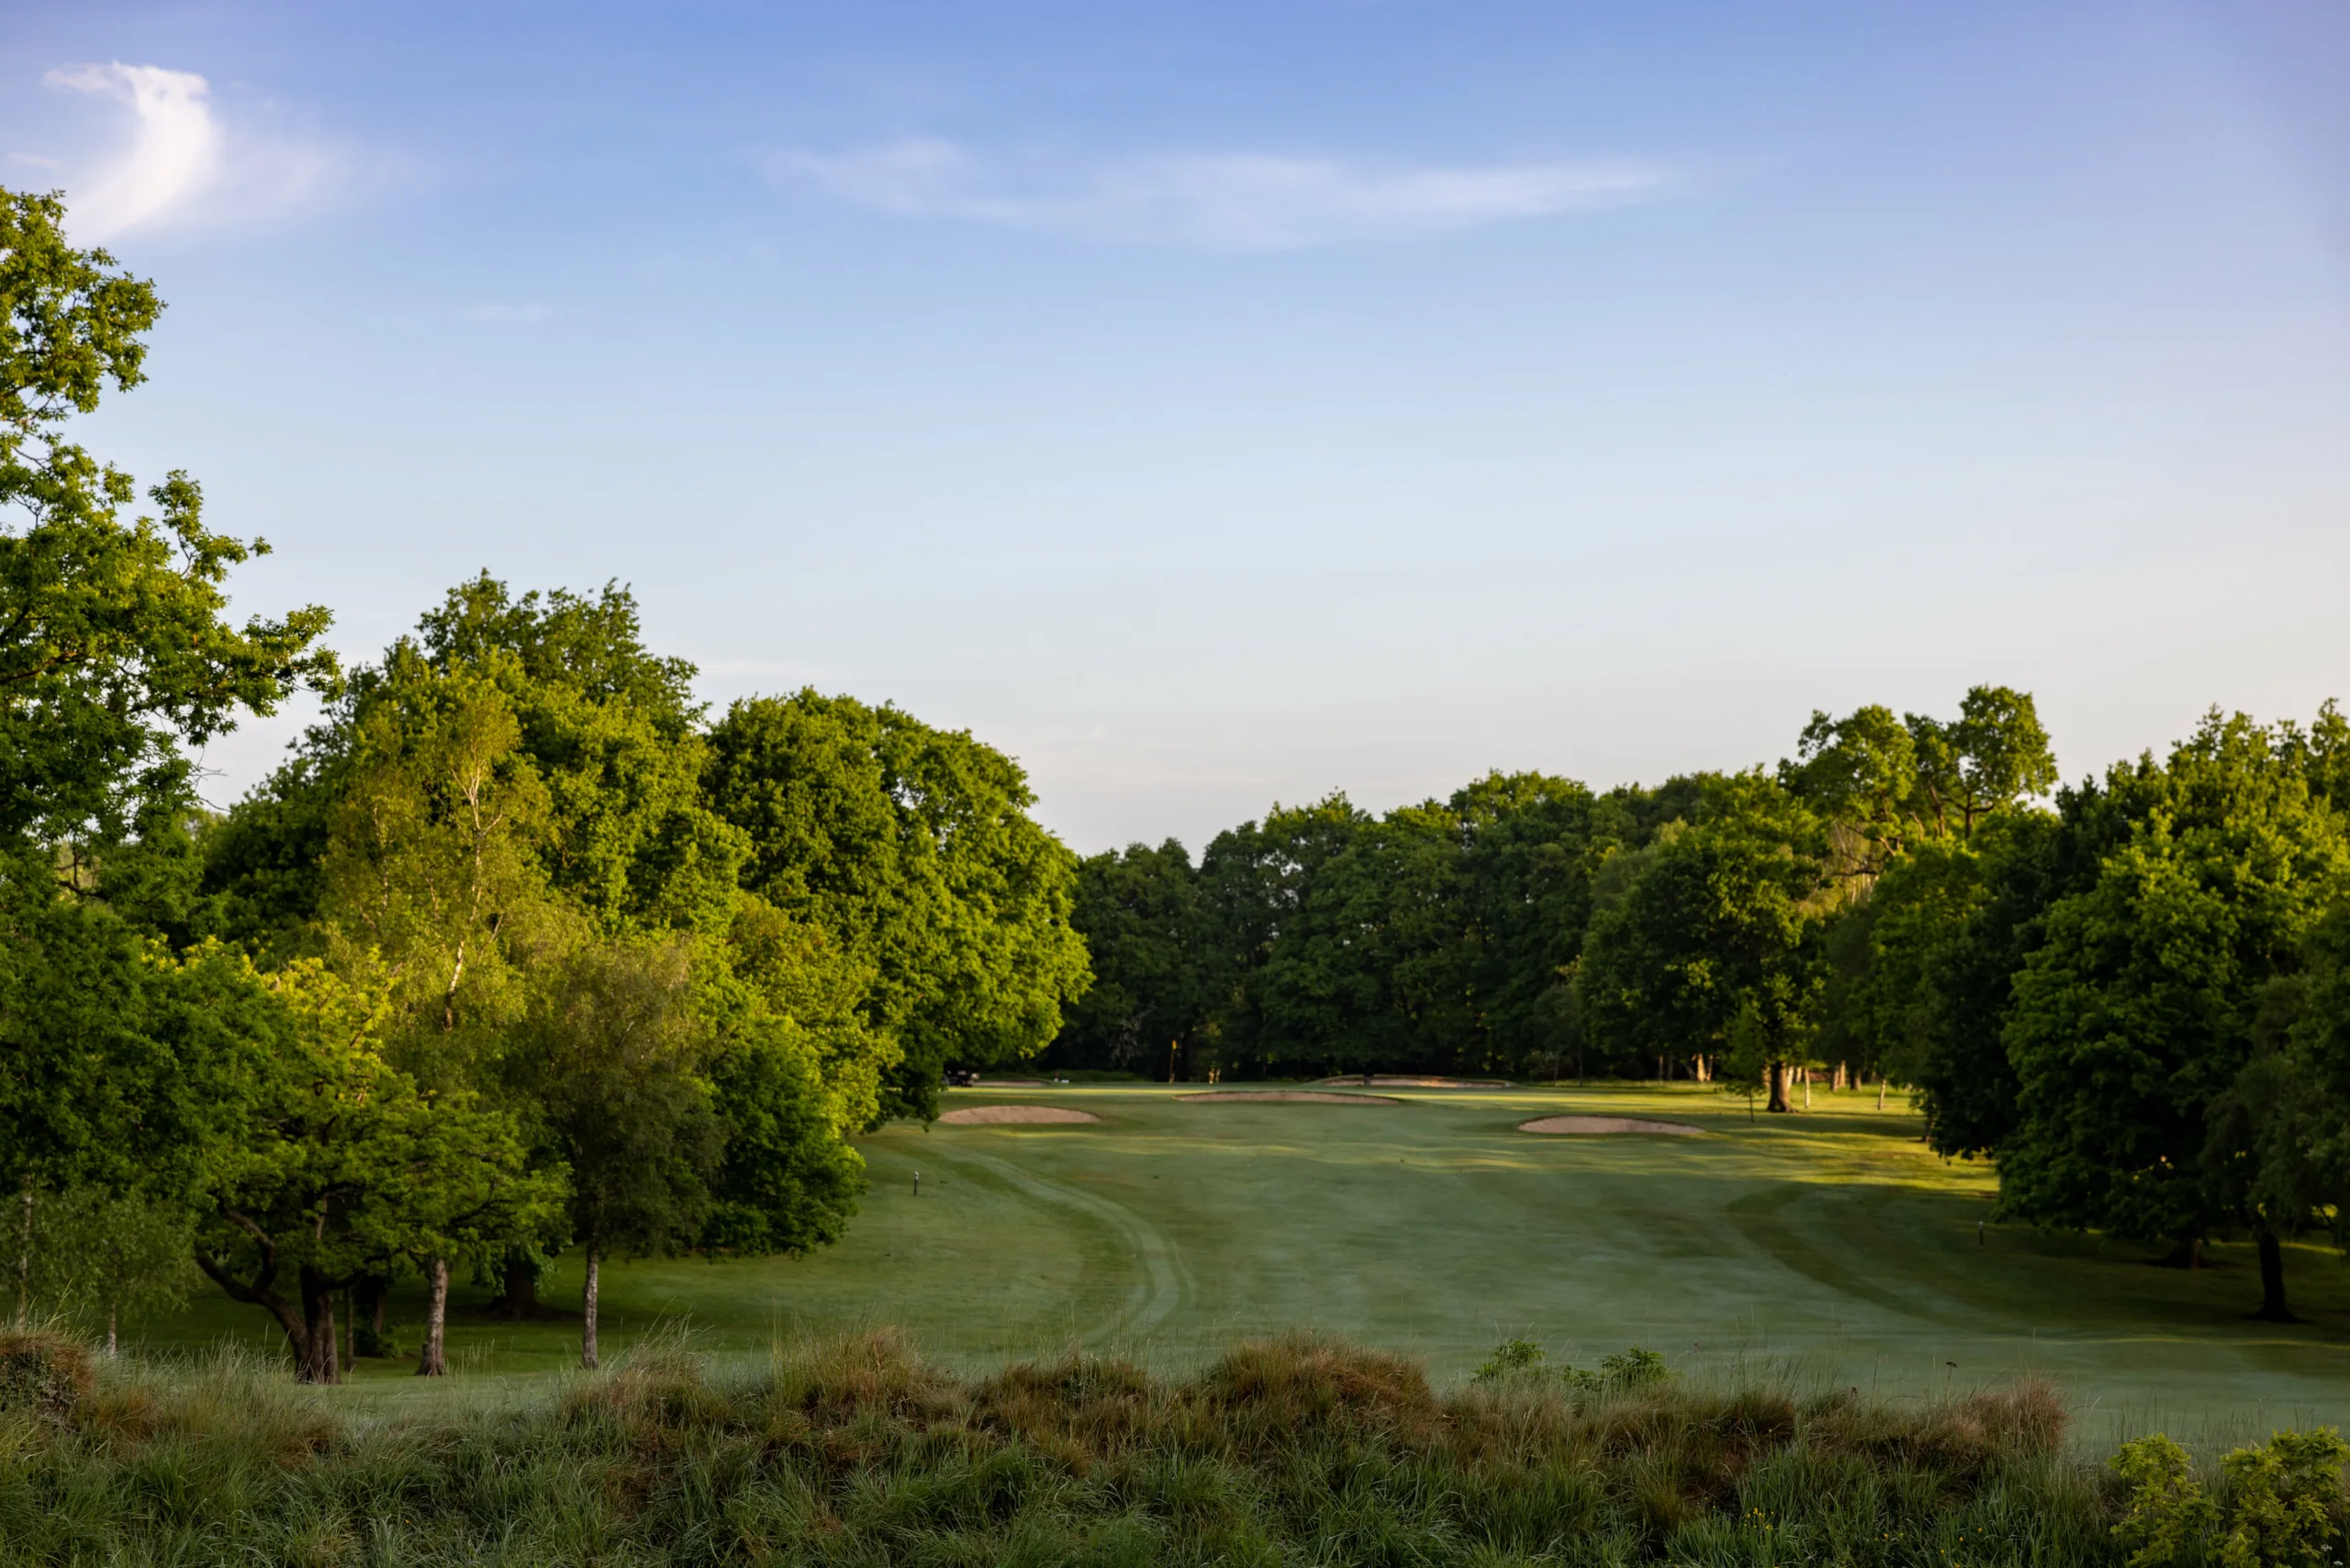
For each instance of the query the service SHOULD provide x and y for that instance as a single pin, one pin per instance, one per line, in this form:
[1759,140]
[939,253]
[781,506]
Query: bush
[1632,1367]
[44,1374]
[2283,1504]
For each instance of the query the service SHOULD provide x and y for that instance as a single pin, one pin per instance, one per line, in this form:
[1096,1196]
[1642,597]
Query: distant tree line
[519,950]
[2132,994]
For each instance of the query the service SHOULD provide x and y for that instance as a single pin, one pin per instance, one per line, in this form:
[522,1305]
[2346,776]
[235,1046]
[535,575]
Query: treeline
[2132,994]
[1531,926]
[518,951]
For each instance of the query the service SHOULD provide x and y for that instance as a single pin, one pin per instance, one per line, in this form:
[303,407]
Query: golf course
[1829,1246]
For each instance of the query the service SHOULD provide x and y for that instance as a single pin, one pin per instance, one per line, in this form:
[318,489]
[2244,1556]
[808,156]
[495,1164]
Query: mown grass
[1169,1230]
[855,1450]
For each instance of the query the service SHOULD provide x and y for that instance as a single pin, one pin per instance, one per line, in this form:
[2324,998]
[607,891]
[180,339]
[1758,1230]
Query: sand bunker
[1385,1083]
[1574,1125]
[1310,1096]
[1014,1115]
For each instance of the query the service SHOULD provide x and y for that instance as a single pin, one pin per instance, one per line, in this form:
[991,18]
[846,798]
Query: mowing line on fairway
[1165,1286]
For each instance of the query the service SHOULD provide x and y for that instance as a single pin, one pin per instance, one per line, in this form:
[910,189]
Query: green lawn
[1832,1241]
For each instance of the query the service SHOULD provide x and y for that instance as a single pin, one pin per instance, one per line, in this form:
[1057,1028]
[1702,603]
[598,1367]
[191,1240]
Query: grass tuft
[854,1450]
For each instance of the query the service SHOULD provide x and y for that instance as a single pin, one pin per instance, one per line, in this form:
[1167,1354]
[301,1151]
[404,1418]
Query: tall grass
[856,1452]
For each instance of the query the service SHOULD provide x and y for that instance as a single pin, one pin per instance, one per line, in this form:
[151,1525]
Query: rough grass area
[855,1450]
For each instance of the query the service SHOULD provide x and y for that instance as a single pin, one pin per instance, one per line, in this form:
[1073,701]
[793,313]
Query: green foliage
[1511,1357]
[608,1057]
[2169,1516]
[912,851]
[335,1161]
[1520,1360]
[113,649]
[115,654]
[2135,1013]
[1720,926]
[1894,784]
[2283,1502]
[1884,955]
[95,1257]
[613,731]
[1137,910]
[1632,1367]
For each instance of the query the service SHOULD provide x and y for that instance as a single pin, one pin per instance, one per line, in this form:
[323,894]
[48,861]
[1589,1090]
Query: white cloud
[182,164]
[1244,201]
[175,151]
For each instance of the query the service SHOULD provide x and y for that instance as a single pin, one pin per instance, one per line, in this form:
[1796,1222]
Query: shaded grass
[1168,1231]
[856,1450]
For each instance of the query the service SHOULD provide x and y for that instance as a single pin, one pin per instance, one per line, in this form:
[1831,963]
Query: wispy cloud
[1229,201]
[181,164]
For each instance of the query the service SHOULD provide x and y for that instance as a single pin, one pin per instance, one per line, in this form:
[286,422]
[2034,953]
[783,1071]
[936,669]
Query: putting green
[1830,1242]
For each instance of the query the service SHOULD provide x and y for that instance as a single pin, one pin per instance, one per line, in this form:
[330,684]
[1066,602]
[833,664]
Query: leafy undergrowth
[856,1452]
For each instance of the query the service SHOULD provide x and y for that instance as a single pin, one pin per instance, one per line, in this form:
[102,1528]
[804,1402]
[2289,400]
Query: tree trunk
[520,1300]
[258,1292]
[1776,1073]
[373,1289]
[112,1344]
[588,1303]
[433,1360]
[1880,1092]
[1807,1088]
[25,1265]
[316,1362]
[2186,1254]
[1843,1078]
[2272,1280]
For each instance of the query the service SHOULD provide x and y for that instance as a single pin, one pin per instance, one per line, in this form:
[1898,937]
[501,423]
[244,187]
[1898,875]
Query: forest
[523,949]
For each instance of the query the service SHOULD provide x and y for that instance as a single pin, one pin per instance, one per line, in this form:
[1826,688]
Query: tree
[1993,756]
[912,850]
[1529,845]
[97,1255]
[1884,953]
[113,649]
[1862,771]
[115,654]
[336,1162]
[2135,1015]
[613,733]
[612,1053]
[794,1071]
[432,856]
[1721,921]
[1326,991]
[1956,1055]
[1139,912]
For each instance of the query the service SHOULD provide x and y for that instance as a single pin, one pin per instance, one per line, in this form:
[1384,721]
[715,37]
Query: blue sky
[1220,404]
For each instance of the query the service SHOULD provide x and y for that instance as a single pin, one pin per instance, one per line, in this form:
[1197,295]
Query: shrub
[1511,1357]
[2284,1503]
[45,1374]
[2169,1517]
[1629,1368]
[2285,1500]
